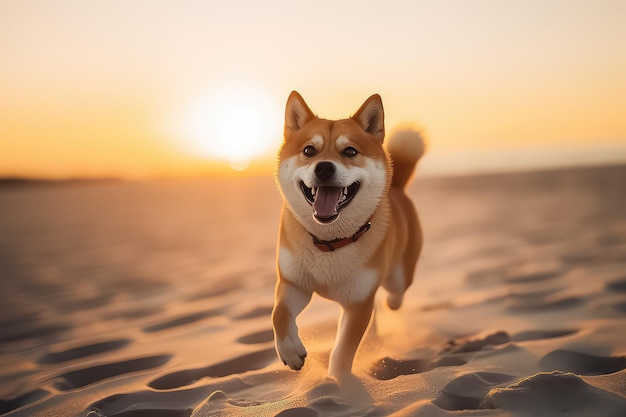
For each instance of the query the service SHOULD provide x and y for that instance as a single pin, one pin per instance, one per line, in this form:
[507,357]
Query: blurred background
[153,89]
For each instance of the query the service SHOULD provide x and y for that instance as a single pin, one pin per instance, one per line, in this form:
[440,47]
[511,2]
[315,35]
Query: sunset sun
[233,124]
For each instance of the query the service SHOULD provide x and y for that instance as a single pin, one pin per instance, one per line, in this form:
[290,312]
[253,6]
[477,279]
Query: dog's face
[333,174]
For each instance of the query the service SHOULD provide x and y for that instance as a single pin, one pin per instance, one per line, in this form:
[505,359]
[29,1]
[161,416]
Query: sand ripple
[556,393]
[582,363]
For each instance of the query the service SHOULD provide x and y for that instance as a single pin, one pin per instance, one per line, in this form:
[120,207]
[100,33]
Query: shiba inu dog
[347,226]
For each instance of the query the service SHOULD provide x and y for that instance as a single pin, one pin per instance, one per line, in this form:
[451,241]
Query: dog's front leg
[352,326]
[290,301]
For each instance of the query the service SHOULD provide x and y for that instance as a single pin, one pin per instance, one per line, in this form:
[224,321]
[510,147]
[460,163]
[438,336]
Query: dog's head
[333,174]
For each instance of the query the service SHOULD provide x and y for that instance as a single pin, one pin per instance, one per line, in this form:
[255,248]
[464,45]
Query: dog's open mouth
[327,202]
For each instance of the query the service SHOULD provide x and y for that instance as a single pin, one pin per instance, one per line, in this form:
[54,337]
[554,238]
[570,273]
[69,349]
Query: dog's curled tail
[405,147]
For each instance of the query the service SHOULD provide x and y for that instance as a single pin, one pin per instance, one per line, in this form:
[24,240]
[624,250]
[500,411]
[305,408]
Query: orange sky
[107,87]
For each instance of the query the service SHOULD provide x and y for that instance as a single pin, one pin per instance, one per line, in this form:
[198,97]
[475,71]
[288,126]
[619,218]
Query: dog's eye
[309,151]
[350,152]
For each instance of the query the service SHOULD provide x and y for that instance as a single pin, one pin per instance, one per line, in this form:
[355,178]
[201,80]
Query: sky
[144,89]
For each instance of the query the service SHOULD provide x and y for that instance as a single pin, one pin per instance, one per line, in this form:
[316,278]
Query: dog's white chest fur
[342,274]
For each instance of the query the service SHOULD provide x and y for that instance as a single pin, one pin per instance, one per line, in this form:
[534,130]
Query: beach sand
[154,299]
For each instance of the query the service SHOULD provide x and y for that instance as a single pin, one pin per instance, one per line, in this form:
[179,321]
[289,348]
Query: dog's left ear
[371,117]
[297,113]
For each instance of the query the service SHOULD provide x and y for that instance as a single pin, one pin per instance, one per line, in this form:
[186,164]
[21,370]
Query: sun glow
[235,124]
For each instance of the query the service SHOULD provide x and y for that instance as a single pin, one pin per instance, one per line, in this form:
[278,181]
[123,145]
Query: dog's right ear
[297,113]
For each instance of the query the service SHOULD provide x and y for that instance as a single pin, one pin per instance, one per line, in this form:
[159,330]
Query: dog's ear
[297,113]
[371,117]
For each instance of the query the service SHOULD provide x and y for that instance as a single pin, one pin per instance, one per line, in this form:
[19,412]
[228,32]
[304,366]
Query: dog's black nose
[324,170]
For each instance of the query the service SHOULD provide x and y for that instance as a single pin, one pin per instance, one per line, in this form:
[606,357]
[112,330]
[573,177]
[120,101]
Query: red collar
[332,245]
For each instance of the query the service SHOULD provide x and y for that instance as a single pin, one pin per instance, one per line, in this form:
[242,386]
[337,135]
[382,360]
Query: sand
[153,299]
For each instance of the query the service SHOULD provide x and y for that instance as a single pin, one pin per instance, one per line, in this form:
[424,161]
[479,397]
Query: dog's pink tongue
[326,200]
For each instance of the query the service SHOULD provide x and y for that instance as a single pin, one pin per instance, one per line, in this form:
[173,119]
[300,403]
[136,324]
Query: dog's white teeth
[314,191]
[344,195]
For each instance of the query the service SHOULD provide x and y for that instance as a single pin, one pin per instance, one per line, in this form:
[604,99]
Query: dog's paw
[394,301]
[291,352]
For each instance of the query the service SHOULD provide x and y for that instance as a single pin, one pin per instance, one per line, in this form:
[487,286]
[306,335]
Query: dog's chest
[341,275]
